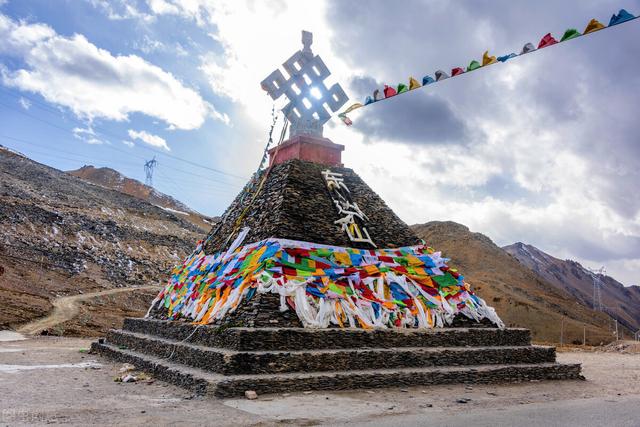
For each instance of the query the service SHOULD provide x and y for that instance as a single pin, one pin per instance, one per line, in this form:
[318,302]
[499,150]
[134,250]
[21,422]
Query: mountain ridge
[620,302]
[520,296]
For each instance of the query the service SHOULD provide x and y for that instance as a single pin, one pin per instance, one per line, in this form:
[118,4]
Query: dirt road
[48,380]
[66,308]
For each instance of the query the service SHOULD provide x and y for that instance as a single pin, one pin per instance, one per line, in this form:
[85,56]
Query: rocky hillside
[621,302]
[60,236]
[520,296]
[110,178]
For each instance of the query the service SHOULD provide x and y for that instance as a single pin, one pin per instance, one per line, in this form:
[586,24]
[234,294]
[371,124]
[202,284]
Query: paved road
[618,412]
[66,308]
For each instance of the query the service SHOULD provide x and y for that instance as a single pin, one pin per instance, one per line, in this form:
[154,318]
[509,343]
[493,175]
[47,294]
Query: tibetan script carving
[352,220]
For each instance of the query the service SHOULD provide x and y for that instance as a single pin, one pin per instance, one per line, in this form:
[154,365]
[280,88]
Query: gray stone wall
[233,362]
[259,339]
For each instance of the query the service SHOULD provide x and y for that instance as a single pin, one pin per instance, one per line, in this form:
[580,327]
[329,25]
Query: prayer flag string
[547,40]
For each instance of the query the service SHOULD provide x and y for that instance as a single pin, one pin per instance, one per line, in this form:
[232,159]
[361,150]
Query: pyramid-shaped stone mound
[306,244]
[294,204]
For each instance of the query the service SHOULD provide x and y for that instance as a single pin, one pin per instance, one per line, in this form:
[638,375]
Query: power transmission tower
[596,276]
[148,170]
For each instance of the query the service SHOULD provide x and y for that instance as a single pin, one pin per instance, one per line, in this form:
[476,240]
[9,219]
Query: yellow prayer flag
[371,269]
[413,83]
[414,260]
[593,25]
[342,258]
[487,60]
[353,107]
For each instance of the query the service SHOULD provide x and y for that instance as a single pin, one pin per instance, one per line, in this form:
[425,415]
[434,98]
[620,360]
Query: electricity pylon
[148,170]
[596,276]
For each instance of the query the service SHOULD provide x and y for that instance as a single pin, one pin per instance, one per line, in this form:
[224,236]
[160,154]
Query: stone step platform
[269,339]
[233,362]
[226,361]
[218,385]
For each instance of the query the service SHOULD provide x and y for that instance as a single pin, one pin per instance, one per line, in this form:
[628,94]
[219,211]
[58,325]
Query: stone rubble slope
[60,235]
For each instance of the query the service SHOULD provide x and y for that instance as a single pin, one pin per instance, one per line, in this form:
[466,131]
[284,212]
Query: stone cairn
[311,282]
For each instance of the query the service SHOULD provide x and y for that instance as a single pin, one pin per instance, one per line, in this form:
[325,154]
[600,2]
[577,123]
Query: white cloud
[87,135]
[150,139]
[24,103]
[223,117]
[93,83]
[161,7]
[148,45]
[180,50]
[128,143]
[118,10]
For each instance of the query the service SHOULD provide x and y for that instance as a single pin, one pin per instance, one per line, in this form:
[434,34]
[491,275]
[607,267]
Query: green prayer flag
[445,280]
[474,65]
[324,253]
[337,289]
[571,33]
[401,260]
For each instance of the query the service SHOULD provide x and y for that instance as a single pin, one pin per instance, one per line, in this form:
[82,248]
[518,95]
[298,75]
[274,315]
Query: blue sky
[28,115]
[543,149]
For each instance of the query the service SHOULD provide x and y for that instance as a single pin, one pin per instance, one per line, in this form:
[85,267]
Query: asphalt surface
[621,412]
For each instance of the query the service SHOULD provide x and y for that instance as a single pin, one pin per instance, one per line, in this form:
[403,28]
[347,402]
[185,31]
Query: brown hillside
[61,236]
[520,297]
[114,180]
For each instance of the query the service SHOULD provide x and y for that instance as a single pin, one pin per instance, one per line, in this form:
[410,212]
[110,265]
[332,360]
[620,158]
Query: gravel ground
[48,380]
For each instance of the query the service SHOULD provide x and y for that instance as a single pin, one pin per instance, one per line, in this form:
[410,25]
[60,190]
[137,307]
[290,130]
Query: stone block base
[226,362]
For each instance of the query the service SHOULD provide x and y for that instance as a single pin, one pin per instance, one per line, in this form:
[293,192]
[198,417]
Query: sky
[543,149]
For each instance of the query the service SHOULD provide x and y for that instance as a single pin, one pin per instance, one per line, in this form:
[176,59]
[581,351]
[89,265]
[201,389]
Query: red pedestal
[309,148]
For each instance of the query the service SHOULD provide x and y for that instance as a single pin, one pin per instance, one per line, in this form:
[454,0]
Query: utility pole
[562,333]
[616,329]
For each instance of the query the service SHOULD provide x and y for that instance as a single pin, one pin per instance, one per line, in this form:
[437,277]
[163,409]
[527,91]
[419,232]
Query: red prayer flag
[547,40]
[389,91]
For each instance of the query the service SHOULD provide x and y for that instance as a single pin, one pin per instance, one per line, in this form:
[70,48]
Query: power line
[34,101]
[95,160]
[57,150]
[169,181]
[102,132]
[172,183]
